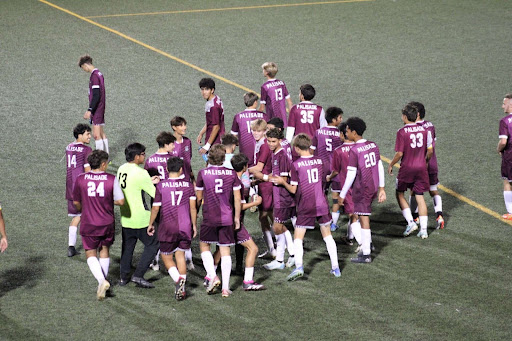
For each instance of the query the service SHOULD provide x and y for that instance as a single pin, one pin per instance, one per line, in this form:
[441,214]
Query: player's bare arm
[501,145]
[430,152]
[193,216]
[289,104]
[279,180]
[332,175]
[256,201]
[238,207]
[398,157]
[200,136]
[154,213]
[78,205]
[3,234]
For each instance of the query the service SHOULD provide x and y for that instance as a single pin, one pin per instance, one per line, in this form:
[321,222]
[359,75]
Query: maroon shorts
[506,170]
[433,180]
[309,222]
[167,248]
[335,186]
[95,242]
[98,119]
[222,235]
[419,186]
[281,215]
[348,203]
[265,191]
[242,235]
[72,211]
[363,203]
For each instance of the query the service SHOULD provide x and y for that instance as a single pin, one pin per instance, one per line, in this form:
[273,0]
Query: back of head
[239,161]
[250,98]
[420,107]
[177,121]
[356,124]
[229,140]
[259,125]
[508,96]
[84,60]
[332,113]
[307,91]
[270,68]
[96,158]
[174,164]
[302,141]
[411,112]
[275,133]
[133,150]
[207,83]
[343,129]
[164,138]
[277,122]
[216,155]
[80,129]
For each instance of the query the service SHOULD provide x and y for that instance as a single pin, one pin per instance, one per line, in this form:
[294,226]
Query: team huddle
[290,159]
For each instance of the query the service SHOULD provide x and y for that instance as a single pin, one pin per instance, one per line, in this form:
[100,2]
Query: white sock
[207,258]
[335,217]
[95,267]
[225,264]
[294,221]
[173,272]
[413,204]
[350,234]
[332,250]
[104,263]
[105,145]
[98,144]
[438,203]
[188,255]
[299,252]
[508,200]
[407,215]
[423,222]
[72,235]
[356,230]
[157,257]
[249,273]
[289,243]
[281,241]
[270,241]
[183,276]
[366,235]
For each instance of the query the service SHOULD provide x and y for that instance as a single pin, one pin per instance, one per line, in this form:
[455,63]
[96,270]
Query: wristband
[265,177]
[207,146]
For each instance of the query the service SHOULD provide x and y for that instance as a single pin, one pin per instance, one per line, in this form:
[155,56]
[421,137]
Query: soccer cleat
[346,241]
[72,251]
[274,265]
[334,227]
[179,293]
[154,265]
[298,272]
[410,229]
[291,262]
[362,259]
[422,234]
[190,265]
[507,216]
[253,286]
[336,272]
[102,290]
[206,281]
[440,222]
[226,292]
[213,285]
[417,220]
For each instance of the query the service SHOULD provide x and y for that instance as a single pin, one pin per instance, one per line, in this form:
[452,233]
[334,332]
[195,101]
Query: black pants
[151,246]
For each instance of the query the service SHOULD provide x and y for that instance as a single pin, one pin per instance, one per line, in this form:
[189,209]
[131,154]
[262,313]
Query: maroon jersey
[505,132]
[174,197]
[242,128]
[274,95]
[412,140]
[287,148]
[96,81]
[281,165]
[183,150]
[263,154]
[217,184]
[364,157]
[308,174]
[214,111]
[340,161]
[324,142]
[305,118]
[156,164]
[432,163]
[96,191]
[76,156]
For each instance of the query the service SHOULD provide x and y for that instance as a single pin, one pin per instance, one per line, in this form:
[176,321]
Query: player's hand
[382,195]
[390,170]
[194,231]
[257,199]
[328,178]
[3,244]
[155,179]
[151,230]
[202,151]
[237,224]
[87,115]
[341,201]
[277,180]
[199,138]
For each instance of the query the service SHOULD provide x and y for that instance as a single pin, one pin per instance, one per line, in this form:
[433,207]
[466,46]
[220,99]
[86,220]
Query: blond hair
[270,68]
[259,125]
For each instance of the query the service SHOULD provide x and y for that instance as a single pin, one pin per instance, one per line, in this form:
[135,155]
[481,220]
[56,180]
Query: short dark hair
[343,129]
[207,83]
[229,140]
[239,161]
[331,113]
[85,60]
[250,98]
[96,158]
[302,141]
[356,124]
[307,91]
[174,164]
[176,121]
[508,96]
[411,112]
[275,133]
[164,138]
[80,129]
[420,107]
[133,150]
[277,122]
[217,154]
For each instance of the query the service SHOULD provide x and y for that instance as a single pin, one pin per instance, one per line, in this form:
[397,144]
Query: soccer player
[305,117]
[432,168]
[183,147]
[261,171]
[229,141]
[275,100]
[134,216]
[156,164]
[242,125]
[214,111]
[307,177]
[414,148]
[76,164]
[220,188]
[337,177]
[284,202]
[95,194]
[96,111]
[276,122]
[178,219]
[3,234]
[365,175]
[505,150]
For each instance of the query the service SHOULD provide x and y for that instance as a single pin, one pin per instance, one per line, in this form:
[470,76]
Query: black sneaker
[362,259]
[72,251]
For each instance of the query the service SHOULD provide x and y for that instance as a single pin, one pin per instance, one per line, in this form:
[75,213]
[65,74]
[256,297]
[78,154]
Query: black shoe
[141,282]
[72,251]
[362,259]
[123,281]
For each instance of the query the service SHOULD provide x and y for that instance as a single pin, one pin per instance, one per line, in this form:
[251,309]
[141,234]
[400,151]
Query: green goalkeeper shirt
[133,180]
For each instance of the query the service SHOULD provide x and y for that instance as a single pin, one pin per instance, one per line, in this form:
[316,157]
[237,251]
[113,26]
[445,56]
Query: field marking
[226,9]
[385,159]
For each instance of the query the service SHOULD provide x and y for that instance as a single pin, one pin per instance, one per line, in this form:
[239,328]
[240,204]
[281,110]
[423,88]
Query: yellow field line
[226,9]
[443,188]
